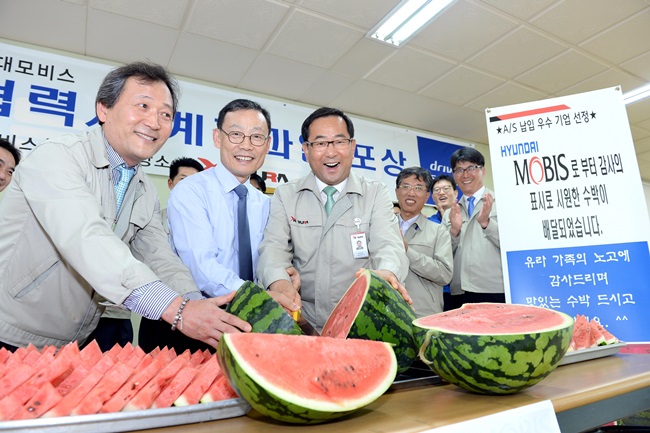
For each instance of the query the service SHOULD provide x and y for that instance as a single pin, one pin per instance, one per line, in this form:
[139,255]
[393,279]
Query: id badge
[359,245]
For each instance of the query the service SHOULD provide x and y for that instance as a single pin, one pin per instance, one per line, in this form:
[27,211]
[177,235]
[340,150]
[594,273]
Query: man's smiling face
[331,165]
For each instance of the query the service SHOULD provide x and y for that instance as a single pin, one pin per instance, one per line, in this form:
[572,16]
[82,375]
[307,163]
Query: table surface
[569,387]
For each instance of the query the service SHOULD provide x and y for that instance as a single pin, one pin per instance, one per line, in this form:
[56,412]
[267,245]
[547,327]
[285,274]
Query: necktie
[244,236]
[470,205]
[126,174]
[329,192]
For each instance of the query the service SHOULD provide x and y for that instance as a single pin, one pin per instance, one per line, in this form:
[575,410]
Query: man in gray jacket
[80,226]
[316,222]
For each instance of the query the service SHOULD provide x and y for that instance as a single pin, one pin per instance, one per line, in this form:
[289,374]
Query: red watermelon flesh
[91,354]
[176,386]
[219,390]
[201,383]
[44,399]
[607,336]
[480,319]
[131,387]
[342,317]
[581,338]
[330,372]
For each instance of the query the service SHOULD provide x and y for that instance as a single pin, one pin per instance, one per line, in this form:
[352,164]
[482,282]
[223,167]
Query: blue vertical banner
[435,156]
[573,221]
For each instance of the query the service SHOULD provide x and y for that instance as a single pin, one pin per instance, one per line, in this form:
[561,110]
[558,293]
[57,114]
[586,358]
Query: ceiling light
[409,17]
[636,94]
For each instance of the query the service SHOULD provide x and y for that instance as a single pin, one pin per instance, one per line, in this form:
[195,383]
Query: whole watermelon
[306,379]
[494,348]
[372,310]
[265,314]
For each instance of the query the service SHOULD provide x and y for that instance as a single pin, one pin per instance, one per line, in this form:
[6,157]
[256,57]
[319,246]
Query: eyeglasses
[471,169]
[322,145]
[440,189]
[416,188]
[237,137]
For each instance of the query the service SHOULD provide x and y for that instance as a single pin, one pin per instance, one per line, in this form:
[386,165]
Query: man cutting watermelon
[316,223]
[80,227]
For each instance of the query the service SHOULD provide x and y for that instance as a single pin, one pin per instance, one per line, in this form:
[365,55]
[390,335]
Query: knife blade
[304,324]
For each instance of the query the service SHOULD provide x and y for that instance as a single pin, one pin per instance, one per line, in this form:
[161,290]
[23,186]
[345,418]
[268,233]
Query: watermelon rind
[265,315]
[270,399]
[491,362]
[383,316]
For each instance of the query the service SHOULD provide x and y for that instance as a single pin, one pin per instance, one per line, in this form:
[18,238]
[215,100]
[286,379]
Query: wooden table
[584,395]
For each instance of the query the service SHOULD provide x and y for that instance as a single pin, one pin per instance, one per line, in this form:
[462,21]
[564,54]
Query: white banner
[43,95]
[573,221]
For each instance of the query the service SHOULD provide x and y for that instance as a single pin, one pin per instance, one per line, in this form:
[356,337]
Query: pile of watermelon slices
[49,382]
[588,334]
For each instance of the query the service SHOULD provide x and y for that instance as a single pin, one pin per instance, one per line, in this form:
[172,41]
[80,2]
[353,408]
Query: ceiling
[476,54]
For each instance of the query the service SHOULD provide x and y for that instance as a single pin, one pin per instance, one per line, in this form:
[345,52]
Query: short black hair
[243,104]
[260,181]
[113,84]
[419,173]
[446,177]
[325,112]
[468,154]
[183,162]
[6,144]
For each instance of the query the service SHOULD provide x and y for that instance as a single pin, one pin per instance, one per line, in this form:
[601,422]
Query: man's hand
[392,280]
[203,320]
[295,277]
[286,294]
[456,219]
[483,217]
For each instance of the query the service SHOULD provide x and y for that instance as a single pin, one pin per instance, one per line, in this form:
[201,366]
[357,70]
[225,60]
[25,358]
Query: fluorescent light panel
[636,94]
[407,19]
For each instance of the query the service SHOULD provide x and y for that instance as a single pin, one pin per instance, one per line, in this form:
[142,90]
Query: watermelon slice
[74,397]
[494,348]
[176,386]
[73,380]
[608,338]
[219,390]
[133,384]
[200,384]
[322,378]
[581,338]
[254,305]
[372,310]
[45,398]
[91,354]
[107,386]
[19,375]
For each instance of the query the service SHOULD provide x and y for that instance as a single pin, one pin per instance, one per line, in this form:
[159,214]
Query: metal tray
[127,421]
[415,376]
[591,353]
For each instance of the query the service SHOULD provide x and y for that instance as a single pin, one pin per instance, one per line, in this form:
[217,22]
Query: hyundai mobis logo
[539,169]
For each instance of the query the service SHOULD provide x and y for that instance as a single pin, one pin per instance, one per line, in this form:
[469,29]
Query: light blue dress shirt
[202,216]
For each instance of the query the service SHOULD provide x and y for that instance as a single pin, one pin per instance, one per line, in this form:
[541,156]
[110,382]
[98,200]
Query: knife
[304,324]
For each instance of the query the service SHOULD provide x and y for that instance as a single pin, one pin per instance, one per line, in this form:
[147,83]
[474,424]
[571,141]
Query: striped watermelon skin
[265,315]
[384,316]
[495,364]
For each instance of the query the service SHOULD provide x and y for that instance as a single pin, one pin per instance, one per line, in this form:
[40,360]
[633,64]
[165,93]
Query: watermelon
[219,390]
[372,310]
[265,315]
[306,379]
[494,348]
[201,383]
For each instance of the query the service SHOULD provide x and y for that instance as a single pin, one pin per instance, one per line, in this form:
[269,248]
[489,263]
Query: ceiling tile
[366,98]
[461,85]
[326,88]
[312,40]
[565,70]
[362,57]
[409,69]
[39,28]
[156,47]
[508,94]
[595,16]
[362,13]
[522,9]
[289,79]
[624,41]
[168,13]
[609,78]
[638,112]
[219,62]
[639,66]
[462,30]
[247,23]
[520,51]
[642,146]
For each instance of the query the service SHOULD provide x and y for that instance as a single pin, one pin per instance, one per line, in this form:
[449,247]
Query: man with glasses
[428,246]
[203,213]
[443,195]
[317,221]
[474,230]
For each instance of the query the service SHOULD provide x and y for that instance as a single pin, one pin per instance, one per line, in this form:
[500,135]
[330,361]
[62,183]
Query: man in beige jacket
[80,223]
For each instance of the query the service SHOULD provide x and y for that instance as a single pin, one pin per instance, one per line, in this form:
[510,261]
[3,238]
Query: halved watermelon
[265,314]
[304,379]
[494,348]
[372,310]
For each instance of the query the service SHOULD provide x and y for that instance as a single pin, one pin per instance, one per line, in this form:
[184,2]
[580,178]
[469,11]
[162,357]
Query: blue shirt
[202,216]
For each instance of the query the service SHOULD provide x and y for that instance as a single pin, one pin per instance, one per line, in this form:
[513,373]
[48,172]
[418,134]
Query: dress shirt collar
[320,185]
